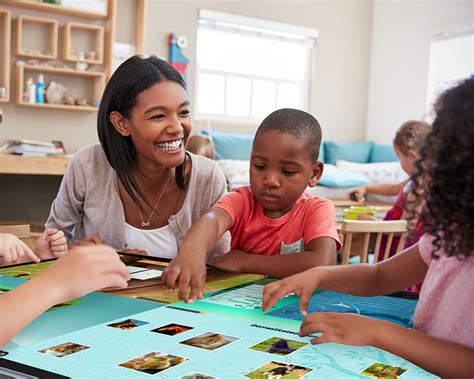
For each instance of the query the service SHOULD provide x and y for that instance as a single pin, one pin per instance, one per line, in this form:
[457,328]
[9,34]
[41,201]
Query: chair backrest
[367,228]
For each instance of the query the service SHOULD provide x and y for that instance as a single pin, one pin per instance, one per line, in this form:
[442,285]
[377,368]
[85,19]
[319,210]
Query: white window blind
[451,59]
[248,67]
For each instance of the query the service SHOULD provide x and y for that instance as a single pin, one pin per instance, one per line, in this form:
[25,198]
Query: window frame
[304,84]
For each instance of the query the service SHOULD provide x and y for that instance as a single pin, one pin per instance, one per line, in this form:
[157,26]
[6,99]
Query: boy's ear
[120,123]
[318,168]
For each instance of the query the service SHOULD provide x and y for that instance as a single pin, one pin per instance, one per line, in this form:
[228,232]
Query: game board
[73,315]
[225,335]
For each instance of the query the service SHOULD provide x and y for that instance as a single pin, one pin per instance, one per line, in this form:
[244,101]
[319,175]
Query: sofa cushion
[335,177]
[382,153]
[231,145]
[353,152]
[321,152]
[383,172]
[236,171]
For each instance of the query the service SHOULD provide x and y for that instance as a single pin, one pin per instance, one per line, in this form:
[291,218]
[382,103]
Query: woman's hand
[51,244]
[303,284]
[13,250]
[344,328]
[93,239]
[189,272]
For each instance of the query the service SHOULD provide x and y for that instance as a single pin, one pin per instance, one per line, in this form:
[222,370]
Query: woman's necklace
[147,222]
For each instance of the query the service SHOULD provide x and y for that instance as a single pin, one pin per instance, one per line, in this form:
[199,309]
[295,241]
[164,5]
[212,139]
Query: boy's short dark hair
[297,123]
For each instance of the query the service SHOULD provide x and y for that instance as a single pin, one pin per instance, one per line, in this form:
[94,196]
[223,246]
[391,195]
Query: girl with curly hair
[442,340]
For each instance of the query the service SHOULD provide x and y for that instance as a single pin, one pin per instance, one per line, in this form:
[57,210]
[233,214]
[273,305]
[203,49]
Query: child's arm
[74,275]
[319,252]
[393,274]
[189,267]
[51,244]
[383,189]
[415,346]
[13,250]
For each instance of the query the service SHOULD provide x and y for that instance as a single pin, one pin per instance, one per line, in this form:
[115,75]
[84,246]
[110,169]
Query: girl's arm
[383,189]
[319,252]
[425,351]
[189,267]
[393,274]
[81,271]
[441,357]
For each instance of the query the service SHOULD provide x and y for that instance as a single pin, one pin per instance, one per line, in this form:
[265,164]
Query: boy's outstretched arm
[81,271]
[441,357]
[189,266]
[318,252]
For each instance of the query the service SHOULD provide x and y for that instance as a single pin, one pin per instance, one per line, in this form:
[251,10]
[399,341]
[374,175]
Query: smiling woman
[138,188]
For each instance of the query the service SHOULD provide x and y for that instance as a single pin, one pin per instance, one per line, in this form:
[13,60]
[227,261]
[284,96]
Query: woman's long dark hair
[131,78]
[444,174]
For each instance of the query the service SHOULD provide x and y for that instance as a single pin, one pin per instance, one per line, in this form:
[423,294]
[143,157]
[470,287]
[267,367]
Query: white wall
[340,79]
[401,37]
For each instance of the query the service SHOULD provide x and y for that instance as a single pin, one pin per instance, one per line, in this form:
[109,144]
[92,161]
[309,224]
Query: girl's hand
[189,273]
[303,284]
[344,328]
[83,270]
[357,193]
[51,244]
[12,250]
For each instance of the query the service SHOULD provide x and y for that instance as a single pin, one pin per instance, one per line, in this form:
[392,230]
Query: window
[451,59]
[246,67]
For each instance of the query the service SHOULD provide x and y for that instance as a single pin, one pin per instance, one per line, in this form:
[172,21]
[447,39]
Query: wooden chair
[368,228]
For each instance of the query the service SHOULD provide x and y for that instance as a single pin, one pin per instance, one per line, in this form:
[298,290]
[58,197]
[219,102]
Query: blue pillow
[231,146]
[321,152]
[353,152]
[335,177]
[382,153]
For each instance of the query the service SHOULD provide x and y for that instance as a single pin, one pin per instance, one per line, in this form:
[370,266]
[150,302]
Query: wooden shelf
[14,164]
[54,8]
[98,87]
[70,43]
[86,108]
[65,71]
[52,48]
[5,45]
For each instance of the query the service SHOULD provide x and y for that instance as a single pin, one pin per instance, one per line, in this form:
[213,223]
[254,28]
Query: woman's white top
[159,242]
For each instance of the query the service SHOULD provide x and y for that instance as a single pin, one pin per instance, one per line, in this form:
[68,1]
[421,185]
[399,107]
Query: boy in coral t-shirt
[277,229]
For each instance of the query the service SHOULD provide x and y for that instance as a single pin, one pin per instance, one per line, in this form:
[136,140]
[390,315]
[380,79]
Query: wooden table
[16,164]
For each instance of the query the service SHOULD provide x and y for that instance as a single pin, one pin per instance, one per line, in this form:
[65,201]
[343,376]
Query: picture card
[278,345]
[384,370]
[147,274]
[172,329]
[153,363]
[209,341]
[279,370]
[128,324]
[64,349]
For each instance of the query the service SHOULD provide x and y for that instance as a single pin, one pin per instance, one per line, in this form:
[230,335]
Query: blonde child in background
[407,143]
[442,340]
[201,145]
[82,270]
[52,243]
[277,229]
